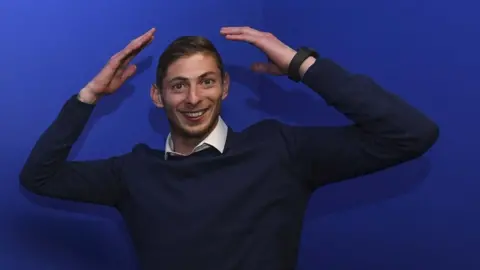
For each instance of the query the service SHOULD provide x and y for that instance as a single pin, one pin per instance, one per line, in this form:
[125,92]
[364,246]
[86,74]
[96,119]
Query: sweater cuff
[326,78]
[75,112]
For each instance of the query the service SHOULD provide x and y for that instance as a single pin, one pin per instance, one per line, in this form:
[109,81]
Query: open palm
[118,69]
[279,55]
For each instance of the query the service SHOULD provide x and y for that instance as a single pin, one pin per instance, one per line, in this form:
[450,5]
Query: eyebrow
[180,78]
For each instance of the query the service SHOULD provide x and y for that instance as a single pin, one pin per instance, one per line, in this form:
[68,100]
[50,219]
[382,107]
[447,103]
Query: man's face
[191,94]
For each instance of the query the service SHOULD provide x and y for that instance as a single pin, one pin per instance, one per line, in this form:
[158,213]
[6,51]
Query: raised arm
[386,131]
[47,171]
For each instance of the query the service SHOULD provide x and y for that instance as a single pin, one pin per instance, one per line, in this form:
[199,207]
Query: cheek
[215,96]
[172,101]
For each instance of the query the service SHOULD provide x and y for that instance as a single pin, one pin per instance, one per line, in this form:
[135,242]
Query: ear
[226,85]
[155,94]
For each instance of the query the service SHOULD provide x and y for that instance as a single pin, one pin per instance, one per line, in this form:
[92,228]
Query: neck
[185,145]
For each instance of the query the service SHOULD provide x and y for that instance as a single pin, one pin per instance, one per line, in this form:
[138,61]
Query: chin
[195,133]
[198,130]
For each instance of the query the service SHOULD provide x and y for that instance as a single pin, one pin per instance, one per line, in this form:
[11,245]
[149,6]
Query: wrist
[306,65]
[301,62]
[86,96]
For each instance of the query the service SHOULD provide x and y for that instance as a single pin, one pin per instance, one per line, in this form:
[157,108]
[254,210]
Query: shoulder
[267,131]
[267,125]
[143,147]
[140,150]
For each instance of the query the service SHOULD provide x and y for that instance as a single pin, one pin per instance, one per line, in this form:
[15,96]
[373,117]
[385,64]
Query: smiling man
[216,198]
[191,85]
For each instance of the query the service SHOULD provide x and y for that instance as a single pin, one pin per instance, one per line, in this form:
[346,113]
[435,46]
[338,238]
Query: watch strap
[294,67]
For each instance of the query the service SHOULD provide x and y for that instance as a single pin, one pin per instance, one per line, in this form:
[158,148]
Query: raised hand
[116,71]
[279,55]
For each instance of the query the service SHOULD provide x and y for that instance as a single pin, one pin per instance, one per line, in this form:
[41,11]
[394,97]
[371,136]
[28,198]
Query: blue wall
[420,215]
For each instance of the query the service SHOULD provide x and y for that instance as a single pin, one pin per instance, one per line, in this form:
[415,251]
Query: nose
[192,96]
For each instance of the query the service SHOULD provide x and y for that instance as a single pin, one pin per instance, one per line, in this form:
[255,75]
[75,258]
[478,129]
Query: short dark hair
[185,46]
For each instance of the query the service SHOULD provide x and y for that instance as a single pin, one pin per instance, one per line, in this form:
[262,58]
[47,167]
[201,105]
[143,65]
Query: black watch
[294,67]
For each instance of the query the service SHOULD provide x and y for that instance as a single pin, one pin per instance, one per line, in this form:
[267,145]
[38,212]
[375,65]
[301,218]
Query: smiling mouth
[195,114]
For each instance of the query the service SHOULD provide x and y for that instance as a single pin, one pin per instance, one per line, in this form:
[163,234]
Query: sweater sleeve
[47,171]
[386,131]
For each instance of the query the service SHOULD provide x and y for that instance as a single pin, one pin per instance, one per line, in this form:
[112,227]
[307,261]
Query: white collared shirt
[217,139]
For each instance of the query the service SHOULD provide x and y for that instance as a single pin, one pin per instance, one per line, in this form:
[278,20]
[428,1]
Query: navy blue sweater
[242,209]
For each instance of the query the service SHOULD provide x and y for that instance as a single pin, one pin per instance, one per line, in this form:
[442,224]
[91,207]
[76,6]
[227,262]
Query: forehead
[192,66]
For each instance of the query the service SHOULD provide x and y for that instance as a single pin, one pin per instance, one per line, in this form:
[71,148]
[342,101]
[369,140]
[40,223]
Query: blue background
[420,215]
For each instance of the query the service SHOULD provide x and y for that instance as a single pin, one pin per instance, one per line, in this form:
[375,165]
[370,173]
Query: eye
[208,81]
[178,86]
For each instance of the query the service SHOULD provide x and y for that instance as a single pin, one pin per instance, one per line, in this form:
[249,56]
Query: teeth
[195,114]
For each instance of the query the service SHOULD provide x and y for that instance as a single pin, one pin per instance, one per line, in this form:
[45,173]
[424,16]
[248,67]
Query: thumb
[266,68]
[128,72]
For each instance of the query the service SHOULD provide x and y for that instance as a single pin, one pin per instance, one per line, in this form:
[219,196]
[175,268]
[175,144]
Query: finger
[239,30]
[135,53]
[118,60]
[135,45]
[241,33]
[145,38]
[129,71]
[241,37]
[129,57]
[119,79]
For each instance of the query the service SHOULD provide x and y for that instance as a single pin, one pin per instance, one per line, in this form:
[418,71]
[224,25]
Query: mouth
[194,116]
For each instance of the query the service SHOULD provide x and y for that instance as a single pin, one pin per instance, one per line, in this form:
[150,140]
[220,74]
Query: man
[216,198]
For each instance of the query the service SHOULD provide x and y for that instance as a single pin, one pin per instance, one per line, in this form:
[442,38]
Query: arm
[46,171]
[386,131]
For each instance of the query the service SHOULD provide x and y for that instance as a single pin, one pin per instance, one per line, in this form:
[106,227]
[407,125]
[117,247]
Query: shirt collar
[217,139]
